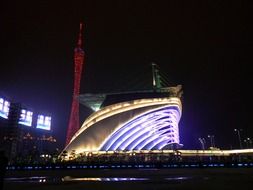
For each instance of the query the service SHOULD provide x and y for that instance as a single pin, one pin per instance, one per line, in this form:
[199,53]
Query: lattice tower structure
[74,124]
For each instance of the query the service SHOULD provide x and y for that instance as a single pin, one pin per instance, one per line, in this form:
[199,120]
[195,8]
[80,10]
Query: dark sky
[204,45]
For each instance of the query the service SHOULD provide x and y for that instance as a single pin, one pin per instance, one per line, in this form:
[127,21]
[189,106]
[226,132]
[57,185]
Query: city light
[4,108]
[212,143]
[239,137]
[43,122]
[26,117]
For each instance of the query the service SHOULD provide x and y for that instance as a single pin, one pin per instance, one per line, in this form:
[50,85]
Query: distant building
[22,136]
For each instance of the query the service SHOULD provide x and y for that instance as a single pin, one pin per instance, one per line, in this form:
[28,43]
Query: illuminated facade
[139,121]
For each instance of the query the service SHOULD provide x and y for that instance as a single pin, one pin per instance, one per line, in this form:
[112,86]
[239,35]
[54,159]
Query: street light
[211,137]
[202,142]
[239,136]
[248,142]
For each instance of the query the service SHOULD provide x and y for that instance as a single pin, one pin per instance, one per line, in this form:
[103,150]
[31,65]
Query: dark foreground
[202,178]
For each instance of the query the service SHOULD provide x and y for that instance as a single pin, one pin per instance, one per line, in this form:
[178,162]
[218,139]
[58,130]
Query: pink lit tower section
[74,115]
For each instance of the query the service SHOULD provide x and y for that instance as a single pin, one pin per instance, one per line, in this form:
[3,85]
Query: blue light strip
[136,135]
[128,138]
[152,120]
[152,130]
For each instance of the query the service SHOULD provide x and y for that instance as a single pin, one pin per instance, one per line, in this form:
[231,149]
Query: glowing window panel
[26,117]
[4,108]
[44,122]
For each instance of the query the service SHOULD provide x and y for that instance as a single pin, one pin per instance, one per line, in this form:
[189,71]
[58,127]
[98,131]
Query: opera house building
[130,121]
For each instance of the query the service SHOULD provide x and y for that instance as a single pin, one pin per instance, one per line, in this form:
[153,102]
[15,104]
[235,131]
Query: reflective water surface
[125,179]
[44,179]
[68,178]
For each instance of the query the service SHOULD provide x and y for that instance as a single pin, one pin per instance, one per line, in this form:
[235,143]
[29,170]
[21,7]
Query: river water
[214,178]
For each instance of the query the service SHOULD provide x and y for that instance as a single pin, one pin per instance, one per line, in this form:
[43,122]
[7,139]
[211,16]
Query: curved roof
[140,124]
[97,101]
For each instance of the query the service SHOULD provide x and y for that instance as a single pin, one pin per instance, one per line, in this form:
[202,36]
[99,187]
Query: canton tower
[74,115]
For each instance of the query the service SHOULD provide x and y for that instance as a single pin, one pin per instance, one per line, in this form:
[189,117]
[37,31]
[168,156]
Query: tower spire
[80,41]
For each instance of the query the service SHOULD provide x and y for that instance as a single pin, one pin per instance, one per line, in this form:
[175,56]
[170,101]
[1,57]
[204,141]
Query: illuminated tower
[74,115]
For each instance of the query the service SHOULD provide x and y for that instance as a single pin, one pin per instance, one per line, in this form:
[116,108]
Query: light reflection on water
[45,179]
[177,178]
[26,179]
[68,178]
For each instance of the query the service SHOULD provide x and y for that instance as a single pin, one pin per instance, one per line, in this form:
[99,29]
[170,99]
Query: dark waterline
[130,166]
[140,179]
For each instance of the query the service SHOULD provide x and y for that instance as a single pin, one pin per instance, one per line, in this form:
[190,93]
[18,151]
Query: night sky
[204,45]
